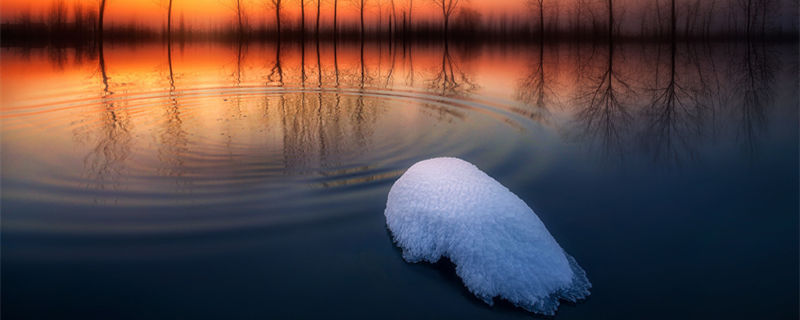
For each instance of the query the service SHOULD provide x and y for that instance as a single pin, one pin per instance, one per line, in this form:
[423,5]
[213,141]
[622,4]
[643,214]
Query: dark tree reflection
[58,57]
[174,140]
[662,100]
[536,89]
[673,118]
[322,130]
[323,127]
[753,80]
[603,113]
[105,164]
[450,80]
[275,75]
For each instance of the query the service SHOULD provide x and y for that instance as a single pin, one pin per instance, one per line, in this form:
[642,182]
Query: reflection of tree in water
[753,78]
[320,129]
[603,113]
[336,63]
[241,52]
[57,56]
[363,66]
[390,76]
[241,55]
[408,63]
[174,140]
[536,88]
[673,119]
[303,76]
[450,80]
[234,100]
[105,163]
[320,118]
[275,75]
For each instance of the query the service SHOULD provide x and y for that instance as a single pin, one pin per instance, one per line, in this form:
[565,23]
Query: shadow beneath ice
[445,271]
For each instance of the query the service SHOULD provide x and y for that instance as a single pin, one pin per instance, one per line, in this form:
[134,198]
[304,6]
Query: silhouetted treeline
[583,20]
[62,25]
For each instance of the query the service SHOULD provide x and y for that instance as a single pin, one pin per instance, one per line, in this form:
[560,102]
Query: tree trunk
[749,17]
[541,18]
[610,20]
[278,18]
[100,20]
[239,15]
[393,21]
[335,16]
[362,19]
[674,21]
[169,21]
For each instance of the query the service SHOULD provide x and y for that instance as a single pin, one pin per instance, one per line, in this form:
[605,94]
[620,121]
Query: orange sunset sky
[205,13]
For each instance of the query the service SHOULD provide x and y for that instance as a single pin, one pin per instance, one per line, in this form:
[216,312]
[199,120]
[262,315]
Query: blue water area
[163,195]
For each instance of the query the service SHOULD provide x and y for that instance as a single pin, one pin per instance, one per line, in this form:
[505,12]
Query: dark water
[225,181]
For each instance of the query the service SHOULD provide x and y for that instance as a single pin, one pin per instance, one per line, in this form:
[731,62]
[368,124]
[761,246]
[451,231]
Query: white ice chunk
[448,207]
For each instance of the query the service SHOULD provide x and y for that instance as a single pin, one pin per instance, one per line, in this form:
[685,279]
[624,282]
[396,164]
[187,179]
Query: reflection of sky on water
[631,156]
[170,127]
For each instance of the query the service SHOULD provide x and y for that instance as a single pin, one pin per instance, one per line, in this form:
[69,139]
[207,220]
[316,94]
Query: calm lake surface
[230,181]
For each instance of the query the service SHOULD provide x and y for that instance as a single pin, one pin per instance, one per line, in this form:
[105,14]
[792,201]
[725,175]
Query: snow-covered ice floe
[448,207]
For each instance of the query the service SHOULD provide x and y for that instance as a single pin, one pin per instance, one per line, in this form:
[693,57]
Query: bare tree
[538,5]
[169,20]
[392,21]
[101,13]
[277,5]
[361,6]
[755,15]
[448,7]
[303,17]
[240,12]
[610,7]
[380,18]
[168,6]
[766,7]
[335,19]
[316,26]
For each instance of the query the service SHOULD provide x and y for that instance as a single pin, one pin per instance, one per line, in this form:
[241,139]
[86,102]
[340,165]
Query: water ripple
[272,154]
